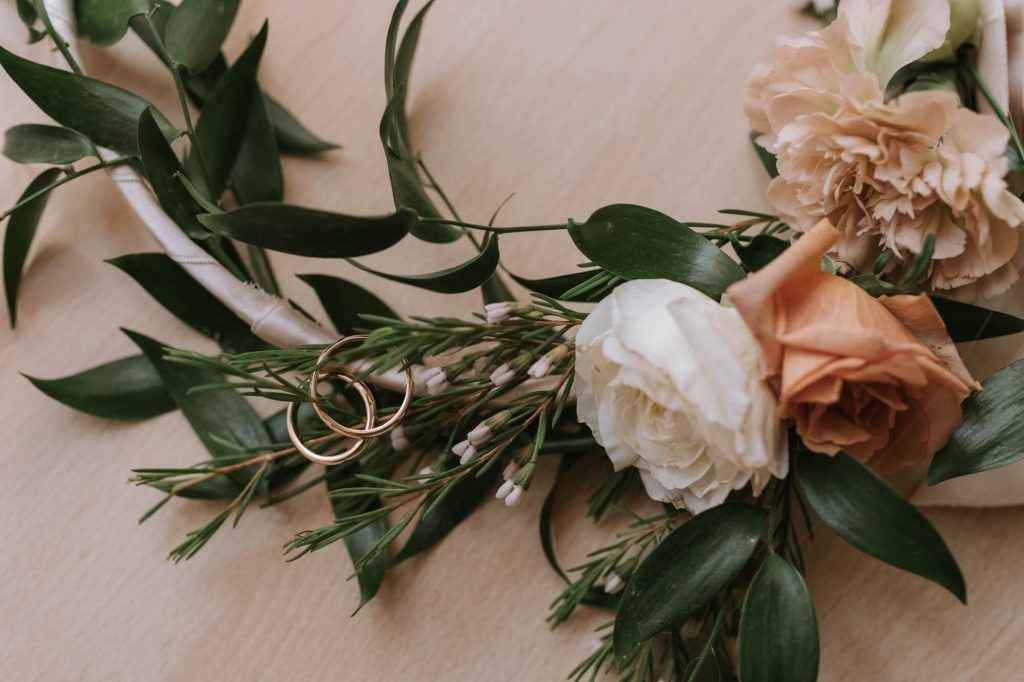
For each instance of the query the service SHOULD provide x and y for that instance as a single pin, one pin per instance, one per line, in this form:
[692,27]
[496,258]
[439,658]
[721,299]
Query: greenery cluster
[693,586]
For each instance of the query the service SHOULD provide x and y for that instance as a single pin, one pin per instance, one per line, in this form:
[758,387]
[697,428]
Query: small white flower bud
[464,450]
[504,490]
[480,435]
[399,441]
[510,471]
[502,375]
[540,369]
[543,366]
[613,583]
[496,312]
[515,496]
[427,471]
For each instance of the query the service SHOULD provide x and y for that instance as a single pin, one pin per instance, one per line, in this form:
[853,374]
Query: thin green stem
[66,179]
[179,86]
[500,230]
[58,40]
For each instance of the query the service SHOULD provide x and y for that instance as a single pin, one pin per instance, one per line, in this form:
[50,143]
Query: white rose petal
[670,382]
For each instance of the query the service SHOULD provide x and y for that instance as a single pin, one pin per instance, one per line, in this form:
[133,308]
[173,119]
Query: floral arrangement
[748,376]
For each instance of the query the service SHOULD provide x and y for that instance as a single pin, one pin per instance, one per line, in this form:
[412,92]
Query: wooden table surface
[570,105]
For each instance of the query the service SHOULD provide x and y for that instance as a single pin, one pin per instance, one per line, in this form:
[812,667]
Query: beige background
[570,105]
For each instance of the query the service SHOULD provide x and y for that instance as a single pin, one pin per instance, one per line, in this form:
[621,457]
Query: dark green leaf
[766,157]
[196,29]
[18,240]
[34,143]
[129,388]
[634,242]
[106,114]
[226,114]
[992,432]
[344,302]
[257,173]
[967,322]
[406,184]
[370,576]
[218,488]
[778,628]
[292,136]
[29,17]
[217,417]
[402,70]
[555,287]
[464,277]
[105,22]
[308,232]
[866,512]
[458,504]
[407,187]
[186,299]
[760,251]
[161,166]
[684,572]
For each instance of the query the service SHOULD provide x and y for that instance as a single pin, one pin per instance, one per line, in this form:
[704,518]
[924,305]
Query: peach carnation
[887,173]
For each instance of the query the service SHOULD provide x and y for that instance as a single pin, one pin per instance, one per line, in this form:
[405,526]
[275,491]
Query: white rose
[670,382]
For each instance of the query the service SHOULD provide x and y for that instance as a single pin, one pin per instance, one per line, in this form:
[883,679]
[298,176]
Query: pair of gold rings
[364,432]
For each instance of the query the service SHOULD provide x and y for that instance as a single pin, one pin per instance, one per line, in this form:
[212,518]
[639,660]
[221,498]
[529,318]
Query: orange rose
[879,379]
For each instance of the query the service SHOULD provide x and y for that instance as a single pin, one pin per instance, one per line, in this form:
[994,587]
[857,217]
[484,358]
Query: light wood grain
[570,105]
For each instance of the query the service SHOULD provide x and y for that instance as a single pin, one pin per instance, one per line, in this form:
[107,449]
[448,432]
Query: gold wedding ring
[363,433]
[369,431]
[291,421]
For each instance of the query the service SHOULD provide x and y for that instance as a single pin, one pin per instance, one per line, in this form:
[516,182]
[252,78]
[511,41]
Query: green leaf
[760,251]
[684,572]
[53,145]
[344,302]
[403,68]
[196,29]
[292,136]
[778,628]
[555,287]
[370,576]
[105,22]
[767,159]
[226,114]
[634,242]
[992,432]
[218,488]
[186,299]
[966,322]
[217,417]
[308,232]
[129,388]
[461,501]
[103,113]
[406,184]
[866,512]
[161,166]
[29,17]
[106,114]
[18,240]
[464,277]
[257,174]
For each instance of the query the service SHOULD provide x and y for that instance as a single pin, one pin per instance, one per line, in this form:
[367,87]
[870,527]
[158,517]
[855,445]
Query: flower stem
[499,230]
[67,178]
[59,41]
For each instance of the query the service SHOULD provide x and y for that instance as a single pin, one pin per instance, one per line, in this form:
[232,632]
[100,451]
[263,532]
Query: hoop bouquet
[747,376]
